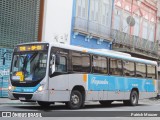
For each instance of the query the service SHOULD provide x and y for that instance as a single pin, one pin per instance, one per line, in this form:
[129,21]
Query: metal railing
[134,41]
[91,27]
[98,30]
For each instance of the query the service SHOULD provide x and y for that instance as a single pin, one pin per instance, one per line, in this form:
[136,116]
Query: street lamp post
[4,57]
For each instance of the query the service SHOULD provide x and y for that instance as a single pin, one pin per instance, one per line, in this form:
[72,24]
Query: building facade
[85,23]
[91,23]
[19,23]
[130,26]
[135,27]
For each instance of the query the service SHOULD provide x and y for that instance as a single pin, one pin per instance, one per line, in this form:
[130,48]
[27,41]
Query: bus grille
[26,96]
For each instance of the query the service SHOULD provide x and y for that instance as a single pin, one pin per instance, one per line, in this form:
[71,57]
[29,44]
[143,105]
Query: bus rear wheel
[76,100]
[133,101]
[105,103]
[44,104]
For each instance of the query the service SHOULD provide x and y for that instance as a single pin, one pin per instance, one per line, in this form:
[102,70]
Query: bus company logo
[98,82]
[6,114]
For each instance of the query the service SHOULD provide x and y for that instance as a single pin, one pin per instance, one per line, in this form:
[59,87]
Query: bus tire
[44,104]
[105,103]
[76,100]
[133,101]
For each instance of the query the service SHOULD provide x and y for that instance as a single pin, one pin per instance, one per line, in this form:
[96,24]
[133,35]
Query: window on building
[117,19]
[80,62]
[158,31]
[100,65]
[145,29]
[105,12]
[140,70]
[94,8]
[126,27]
[152,32]
[128,69]
[82,9]
[137,25]
[151,71]
[115,67]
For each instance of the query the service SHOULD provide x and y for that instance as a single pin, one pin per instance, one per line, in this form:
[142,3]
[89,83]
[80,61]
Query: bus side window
[128,68]
[151,71]
[115,67]
[80,62]
[100,65]
[140,70]
[62,67]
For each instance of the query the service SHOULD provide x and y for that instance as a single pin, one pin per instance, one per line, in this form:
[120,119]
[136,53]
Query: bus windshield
[28,66]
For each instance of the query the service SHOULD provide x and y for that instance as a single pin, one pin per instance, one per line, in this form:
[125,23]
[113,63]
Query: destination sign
[37,47]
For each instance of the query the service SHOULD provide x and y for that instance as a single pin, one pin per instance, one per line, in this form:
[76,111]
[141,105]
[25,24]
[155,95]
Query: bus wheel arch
[134,97]
[77,94]
[135,89]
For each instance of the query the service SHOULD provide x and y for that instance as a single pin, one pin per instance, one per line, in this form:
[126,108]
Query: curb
[19,103]
[5,101]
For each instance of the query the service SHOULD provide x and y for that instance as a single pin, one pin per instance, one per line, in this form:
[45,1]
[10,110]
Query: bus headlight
[10,88]
[40,88]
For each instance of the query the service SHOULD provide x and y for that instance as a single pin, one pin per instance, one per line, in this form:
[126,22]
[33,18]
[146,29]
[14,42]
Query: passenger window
[151,71]
[62,67]
[100,65]
[80,62]
[115,67]
[140,70]
[128,69]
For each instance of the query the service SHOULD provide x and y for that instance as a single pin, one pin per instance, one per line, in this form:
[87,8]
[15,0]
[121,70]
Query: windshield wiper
[27,59]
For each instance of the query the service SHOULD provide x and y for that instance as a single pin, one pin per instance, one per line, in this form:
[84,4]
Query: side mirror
[55,60]
[52,61]
[15,62]
[52,64]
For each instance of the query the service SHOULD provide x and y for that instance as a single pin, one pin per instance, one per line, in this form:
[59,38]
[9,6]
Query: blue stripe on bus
[115,83]
[26,89]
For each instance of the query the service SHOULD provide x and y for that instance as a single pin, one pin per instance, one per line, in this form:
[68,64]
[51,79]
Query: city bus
[50,72]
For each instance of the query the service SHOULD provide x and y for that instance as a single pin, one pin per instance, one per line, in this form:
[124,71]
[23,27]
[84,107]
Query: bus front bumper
[36,96]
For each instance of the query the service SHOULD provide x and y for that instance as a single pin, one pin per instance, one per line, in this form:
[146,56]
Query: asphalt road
[144,105]
[93,106]
[61,111]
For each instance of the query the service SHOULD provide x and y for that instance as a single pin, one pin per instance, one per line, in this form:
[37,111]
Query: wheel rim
[75,99]
[134,99]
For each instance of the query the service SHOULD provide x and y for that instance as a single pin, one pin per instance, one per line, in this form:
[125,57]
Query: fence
[134,41]
[91,27]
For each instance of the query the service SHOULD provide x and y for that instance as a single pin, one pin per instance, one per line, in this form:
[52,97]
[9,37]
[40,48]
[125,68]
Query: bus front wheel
[76,100]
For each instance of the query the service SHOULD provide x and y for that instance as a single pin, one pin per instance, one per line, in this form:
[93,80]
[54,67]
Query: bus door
[58,80]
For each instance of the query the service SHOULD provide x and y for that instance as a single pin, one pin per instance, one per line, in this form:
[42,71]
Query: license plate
[22,98]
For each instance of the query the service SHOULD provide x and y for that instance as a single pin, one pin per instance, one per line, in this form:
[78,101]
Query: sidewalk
[8,101]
